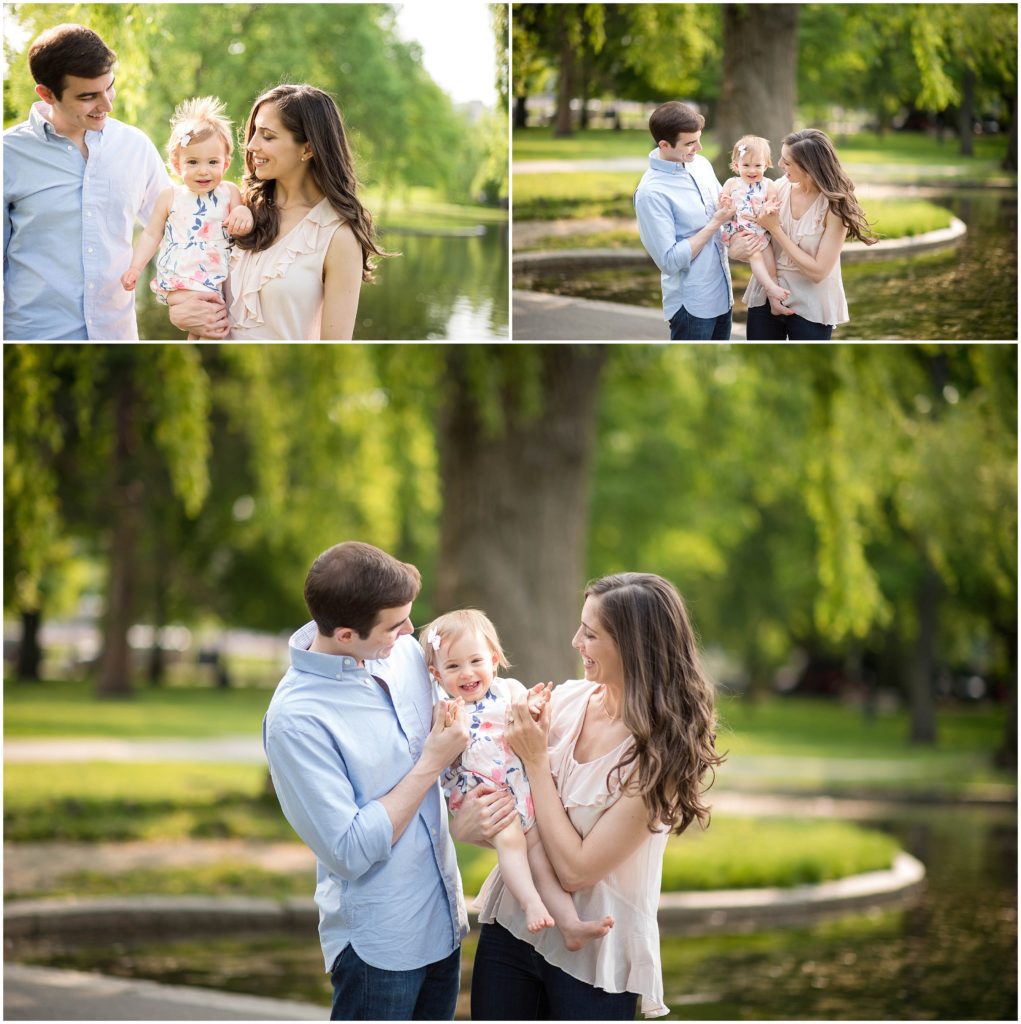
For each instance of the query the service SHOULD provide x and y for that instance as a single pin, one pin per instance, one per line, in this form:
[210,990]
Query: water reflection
[953,955]
[968,292]
[440,287]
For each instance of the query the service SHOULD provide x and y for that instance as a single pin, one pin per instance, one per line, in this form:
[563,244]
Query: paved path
[41,993]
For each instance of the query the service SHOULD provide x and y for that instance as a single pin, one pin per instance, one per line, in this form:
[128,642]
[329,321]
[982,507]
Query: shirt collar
[669,166]
[43,127]
[335,666]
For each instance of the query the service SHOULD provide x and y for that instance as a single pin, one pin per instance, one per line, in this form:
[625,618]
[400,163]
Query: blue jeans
[362,992]
[763,326]
[511,981]
[685,327]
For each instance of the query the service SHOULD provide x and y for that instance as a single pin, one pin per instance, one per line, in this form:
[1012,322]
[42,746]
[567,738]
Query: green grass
[423,208]
[72,710]
[92,802]
[909,155]
[583,194]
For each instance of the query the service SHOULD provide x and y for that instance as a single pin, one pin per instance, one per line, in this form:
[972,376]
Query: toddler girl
[191,221]
[463,653]
[748,193]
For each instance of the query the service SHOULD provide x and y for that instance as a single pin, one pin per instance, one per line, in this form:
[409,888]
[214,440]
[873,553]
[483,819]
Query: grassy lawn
[583,194]
[422,209]
[910,153]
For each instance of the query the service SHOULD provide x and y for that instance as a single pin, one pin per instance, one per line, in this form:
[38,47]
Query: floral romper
[748,200]
[196,247]
[488,758]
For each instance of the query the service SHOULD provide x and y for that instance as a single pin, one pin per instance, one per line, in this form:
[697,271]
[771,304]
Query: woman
[616,763]
[817,211]
[296,276]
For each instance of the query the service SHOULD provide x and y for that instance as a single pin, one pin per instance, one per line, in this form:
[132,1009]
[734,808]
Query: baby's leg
[512,853]
[576,932]
[764,270]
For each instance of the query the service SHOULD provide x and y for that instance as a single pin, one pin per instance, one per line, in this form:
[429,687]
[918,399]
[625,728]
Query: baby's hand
[538,698]
[129,279]
[239,221]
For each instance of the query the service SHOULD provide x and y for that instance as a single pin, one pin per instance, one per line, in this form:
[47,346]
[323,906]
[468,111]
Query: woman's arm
[579,863]
[342,281]
[817,267]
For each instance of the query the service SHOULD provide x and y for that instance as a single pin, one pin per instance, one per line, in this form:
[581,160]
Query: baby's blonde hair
[758,146]
[194,121]
[453,626]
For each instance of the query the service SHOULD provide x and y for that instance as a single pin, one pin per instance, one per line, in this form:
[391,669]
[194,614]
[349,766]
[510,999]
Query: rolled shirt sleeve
[656,229]
[318,800]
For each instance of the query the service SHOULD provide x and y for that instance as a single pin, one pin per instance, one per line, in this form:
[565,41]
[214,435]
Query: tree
[758,91]
[516,436]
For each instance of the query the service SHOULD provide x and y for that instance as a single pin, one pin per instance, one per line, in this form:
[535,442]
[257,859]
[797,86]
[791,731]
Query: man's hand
[449,733]
[745,243]
[485,812]
[239,221]
[200,313]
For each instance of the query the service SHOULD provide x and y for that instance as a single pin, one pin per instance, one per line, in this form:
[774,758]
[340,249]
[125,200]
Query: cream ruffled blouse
[277,294]
[627,958]
[823,302]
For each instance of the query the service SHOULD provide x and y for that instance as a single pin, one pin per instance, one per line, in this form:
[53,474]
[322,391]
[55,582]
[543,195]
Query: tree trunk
[30,654]
[1006,754]
[515,500]
[115,665]
[565,80]
[921,675]
[966,113]
[1010,158]
[759,87]
[520,111]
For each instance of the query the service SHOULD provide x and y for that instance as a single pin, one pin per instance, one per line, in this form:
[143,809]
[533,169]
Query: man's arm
[656,230]
[318,800]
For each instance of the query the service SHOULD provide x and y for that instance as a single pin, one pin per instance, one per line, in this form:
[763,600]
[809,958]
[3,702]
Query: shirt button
[89,249]
[91,285]
[69,149]
[88,213]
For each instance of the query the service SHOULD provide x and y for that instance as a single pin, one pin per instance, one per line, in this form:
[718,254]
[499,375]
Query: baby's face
[465,667]
[202,165]
[751,168]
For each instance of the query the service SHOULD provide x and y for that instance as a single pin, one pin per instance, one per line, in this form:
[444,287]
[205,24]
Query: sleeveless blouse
[627,958]
[823,302]
[277,294]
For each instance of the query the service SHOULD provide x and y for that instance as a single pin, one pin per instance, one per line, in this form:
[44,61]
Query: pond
[449,287]
[952,955]
[965,293]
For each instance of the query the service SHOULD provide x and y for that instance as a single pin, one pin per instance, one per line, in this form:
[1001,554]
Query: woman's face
[796,174]
[599,654]
[275,152]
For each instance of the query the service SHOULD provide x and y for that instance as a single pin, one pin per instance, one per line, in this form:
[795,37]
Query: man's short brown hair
[351,583]
[68,50]
[671,119]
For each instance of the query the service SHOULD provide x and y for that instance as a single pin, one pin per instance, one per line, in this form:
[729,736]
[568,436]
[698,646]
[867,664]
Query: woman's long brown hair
[312,117]
[812,150]
[669,704]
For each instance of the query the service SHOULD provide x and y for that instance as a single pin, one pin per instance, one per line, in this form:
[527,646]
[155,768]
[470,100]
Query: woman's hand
[200,313]
[527,736]
[484,812]
[768,215]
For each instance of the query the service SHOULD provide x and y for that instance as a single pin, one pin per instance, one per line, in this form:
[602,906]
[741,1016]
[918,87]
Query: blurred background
[919,100]
[842,521]
[428,130]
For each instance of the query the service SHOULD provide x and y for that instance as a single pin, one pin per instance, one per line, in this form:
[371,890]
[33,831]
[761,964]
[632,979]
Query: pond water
[439,287]
[965,293]
[952,955]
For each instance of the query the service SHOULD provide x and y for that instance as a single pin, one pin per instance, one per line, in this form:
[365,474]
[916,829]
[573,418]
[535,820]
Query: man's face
[391,625]
[684,148]
[83,105]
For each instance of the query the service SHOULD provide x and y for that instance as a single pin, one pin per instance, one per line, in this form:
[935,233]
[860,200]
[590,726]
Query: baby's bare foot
[537,917]
[584,932]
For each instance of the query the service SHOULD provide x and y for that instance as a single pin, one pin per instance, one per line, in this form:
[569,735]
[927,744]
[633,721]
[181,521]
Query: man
[355,747]
[679,223]
[75,182]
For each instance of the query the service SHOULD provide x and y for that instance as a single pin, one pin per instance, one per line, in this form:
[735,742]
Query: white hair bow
[433,639]
[741,150]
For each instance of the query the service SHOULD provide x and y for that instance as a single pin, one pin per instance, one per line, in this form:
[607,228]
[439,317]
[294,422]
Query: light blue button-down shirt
[336,742]
[68,226]
[674,201]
